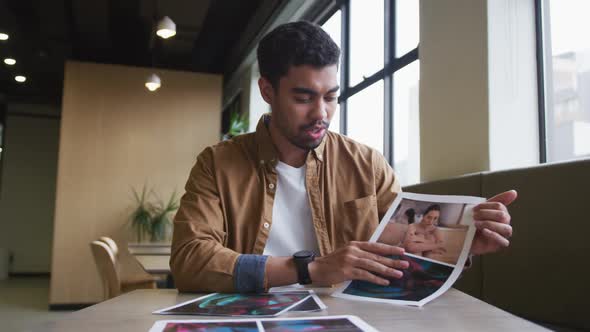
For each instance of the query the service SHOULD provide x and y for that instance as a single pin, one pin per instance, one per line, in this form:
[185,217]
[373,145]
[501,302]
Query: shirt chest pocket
[358,219]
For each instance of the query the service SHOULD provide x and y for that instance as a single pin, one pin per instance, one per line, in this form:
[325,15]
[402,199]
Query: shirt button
[271,186]
[266,225]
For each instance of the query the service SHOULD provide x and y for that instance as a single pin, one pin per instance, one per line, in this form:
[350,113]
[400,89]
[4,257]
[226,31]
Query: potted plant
[162,219]
[152,220]
[141,218]
[238,124]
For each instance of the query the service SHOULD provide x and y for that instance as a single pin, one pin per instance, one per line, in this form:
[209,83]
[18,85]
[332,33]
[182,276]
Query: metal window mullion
[345,72]
[540,55]
[389,56]
[394,66]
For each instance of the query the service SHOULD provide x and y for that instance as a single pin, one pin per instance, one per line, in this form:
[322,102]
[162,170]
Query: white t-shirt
[292,228]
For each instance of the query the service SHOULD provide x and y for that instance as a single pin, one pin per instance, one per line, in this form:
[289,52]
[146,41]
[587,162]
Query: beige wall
[27,194]
[453,88]
[116,135]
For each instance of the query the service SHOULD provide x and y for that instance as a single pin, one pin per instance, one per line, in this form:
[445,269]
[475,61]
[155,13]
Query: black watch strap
[302,260]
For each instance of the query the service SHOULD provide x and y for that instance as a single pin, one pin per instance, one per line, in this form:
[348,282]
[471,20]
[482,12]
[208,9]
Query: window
[366,39]
[407,23]
[333,26]
[379,77]
[565,52]
[406,116]
[406,123]
[365,116]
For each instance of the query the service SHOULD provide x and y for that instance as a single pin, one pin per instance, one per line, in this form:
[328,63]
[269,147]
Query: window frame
[544,78]
[540,15]
[391,65]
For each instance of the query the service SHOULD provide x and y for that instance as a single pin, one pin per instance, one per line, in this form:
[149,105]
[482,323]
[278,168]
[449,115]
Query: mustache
[322,123]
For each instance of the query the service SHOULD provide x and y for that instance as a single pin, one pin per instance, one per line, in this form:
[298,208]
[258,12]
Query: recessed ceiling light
[166,28]
[3,36]
[10,61]
[153,83]
[20,78]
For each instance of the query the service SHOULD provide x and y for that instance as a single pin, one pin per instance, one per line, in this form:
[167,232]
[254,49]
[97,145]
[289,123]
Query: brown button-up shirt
[230,195]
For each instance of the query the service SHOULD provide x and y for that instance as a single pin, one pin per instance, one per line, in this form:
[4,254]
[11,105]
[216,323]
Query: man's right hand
[358,261]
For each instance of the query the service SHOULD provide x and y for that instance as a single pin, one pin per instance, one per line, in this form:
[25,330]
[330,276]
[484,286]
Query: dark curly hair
[295,44]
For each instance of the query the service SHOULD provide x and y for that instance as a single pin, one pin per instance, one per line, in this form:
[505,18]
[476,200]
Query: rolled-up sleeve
[199,260]
[250,273]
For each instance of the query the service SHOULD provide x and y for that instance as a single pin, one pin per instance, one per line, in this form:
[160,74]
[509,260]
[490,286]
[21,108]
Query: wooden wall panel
[116,135]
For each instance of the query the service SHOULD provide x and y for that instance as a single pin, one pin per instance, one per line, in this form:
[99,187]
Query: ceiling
[45,33]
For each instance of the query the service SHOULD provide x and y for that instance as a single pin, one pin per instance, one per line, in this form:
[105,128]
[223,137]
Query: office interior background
[443,88]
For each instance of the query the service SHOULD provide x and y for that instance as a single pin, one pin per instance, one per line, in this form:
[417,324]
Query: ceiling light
[3,36]
[20,78]
[166,28]
[153,82]
[10,61]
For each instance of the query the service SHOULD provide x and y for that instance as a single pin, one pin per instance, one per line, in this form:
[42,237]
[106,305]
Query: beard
[301,139]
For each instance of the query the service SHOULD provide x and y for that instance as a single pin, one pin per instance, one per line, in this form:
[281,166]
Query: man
[256,206]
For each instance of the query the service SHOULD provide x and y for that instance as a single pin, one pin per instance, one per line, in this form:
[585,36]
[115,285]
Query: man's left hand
[492,221]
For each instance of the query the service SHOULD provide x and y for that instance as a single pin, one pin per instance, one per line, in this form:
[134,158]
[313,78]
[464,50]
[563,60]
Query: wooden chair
[111,244]
[109,267]
[129,267]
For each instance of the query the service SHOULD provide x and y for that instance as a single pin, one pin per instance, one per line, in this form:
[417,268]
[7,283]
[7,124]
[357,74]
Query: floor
[24,303]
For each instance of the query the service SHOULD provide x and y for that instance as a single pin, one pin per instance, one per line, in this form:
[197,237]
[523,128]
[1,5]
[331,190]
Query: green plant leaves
[238,124]
[152,219]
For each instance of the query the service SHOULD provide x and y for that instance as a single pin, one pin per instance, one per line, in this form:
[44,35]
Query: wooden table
[154,258]
[155,264]
[453,311]
[149,248]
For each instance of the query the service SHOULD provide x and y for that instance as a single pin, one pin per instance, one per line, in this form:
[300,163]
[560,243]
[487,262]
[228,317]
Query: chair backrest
[111,243]
[125,262]
[106,263]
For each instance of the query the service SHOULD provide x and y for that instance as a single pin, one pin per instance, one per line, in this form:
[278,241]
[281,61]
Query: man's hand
[492,221]
[358,261]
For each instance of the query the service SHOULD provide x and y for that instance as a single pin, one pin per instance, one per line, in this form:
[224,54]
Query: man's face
[303,104]
[431,218]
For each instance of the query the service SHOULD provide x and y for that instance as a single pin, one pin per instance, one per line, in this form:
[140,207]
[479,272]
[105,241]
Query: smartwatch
[302,259]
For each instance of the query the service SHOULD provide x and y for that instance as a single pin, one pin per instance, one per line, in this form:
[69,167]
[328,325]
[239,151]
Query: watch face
[304,254]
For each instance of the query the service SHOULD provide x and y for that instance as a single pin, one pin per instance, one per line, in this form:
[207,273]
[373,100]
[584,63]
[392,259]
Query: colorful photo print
[266,304]
[305,325]
[211,327]
[419,281]
[433,230]
[436,232]
[308,305]
[319,324]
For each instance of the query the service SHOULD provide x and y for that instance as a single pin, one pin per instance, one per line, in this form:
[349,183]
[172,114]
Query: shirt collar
[267,152]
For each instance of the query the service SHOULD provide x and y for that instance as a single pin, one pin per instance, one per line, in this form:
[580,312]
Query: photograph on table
[436,232]
[320,324]
[311,304]
[209,326]
[248,305]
